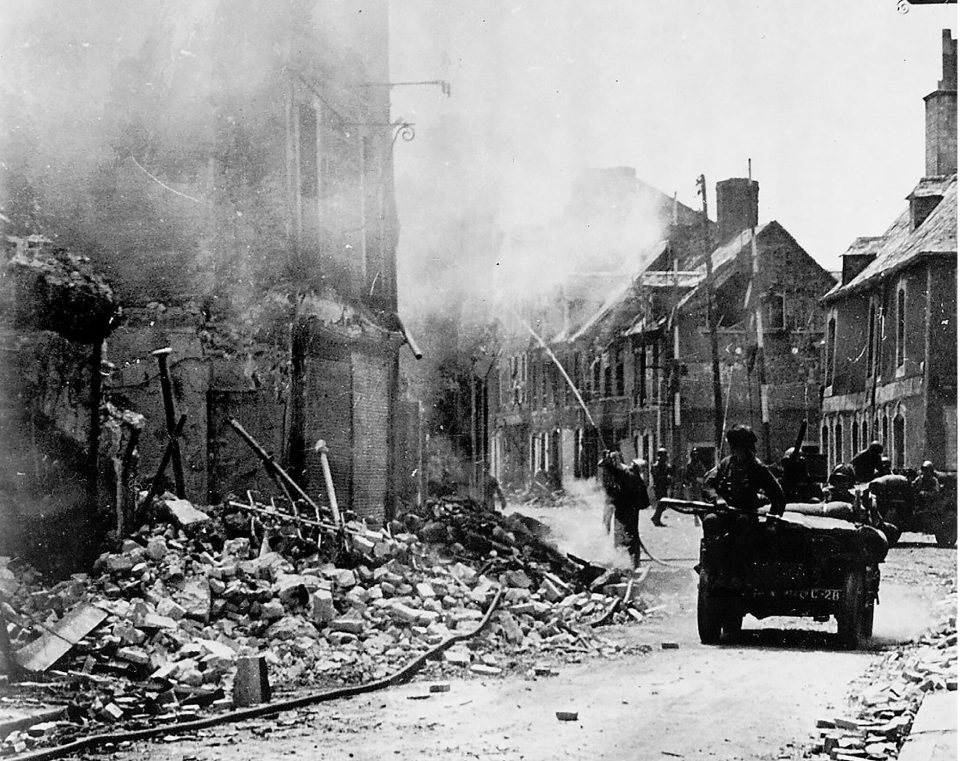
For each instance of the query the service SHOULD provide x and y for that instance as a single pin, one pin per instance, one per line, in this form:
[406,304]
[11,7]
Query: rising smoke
[578,527]
[149,134]
[486,192]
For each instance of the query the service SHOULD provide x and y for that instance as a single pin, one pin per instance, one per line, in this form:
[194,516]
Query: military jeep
[793,565]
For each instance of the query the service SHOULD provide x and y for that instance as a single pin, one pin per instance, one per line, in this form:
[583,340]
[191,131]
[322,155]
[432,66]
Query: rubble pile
[887,706]
[168,614]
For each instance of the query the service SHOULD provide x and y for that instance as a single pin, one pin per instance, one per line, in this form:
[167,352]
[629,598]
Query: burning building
[891,333]
[641,356]
[240,198]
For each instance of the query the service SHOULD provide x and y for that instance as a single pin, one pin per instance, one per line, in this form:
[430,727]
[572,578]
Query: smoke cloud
[485,192]
[578,528]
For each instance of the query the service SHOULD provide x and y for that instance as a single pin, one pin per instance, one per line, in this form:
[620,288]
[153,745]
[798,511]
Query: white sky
[824,95]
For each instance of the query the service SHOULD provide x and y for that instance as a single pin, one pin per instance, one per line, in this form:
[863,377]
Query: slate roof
[724,257]
[901,245]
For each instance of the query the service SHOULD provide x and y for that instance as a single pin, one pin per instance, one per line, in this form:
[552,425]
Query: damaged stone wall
[54,313]
[240,367]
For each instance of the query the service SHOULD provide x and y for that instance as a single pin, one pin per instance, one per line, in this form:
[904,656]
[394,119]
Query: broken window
[838,441]
[577,452]
[596,375]
[871,338]
[831,349]
[640,375]
[534,384]
[607,377]
[899,442]
[655,370]
[619,374]
[544,381]
[523,378]
[775,315]
[901,324]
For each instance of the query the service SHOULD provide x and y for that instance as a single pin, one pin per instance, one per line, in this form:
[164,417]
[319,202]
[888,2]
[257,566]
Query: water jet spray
[563,372]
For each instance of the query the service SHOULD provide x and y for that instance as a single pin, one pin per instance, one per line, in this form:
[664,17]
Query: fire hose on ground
[267,709]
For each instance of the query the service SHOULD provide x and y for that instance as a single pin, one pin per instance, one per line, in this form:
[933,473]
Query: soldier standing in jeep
[740,478]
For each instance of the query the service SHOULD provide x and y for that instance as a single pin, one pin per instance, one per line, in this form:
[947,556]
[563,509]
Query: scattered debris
[888,705]
[57,640]
[193,611]
[567,715]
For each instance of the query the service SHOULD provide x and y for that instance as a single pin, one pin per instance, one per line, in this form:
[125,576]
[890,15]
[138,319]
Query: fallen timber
[283,479]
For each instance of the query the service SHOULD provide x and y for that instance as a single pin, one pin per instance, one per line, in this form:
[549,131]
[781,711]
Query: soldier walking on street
[662,474]
[627,493]
[492,492]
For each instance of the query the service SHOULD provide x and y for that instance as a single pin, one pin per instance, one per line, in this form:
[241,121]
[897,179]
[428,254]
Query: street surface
[756,699]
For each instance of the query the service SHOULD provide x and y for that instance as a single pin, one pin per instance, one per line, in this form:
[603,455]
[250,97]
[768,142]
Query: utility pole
[758,319]
[712,325]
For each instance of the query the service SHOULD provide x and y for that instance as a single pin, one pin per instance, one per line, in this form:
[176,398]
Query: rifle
[798,443]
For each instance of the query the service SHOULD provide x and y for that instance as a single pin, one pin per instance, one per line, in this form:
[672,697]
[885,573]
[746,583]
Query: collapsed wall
[55,312]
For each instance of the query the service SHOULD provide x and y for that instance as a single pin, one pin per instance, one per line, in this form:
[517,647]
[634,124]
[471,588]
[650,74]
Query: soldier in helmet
[868,464]
[662,474]
[796,483]
[627,495]
[840,485]
[926,485]
[740,479]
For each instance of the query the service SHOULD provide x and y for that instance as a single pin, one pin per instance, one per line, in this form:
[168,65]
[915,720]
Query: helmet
[875,446]
[742,437]
[927,466]
[842,477]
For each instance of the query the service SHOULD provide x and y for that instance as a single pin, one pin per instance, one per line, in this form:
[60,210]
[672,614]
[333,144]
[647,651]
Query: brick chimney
[941,107]
[737,204]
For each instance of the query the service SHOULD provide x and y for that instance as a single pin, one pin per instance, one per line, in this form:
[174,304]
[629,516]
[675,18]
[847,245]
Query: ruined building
[891,333]
[230,170]
[641,357]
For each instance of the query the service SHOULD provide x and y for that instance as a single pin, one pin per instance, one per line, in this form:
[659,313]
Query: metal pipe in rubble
[563,372]
[324,450]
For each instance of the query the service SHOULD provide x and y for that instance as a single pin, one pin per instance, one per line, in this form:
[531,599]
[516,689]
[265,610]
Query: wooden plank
[47,649]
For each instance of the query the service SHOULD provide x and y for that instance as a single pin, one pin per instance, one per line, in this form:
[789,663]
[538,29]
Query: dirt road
[756,699]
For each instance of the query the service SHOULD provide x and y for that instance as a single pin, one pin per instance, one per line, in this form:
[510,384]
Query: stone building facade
[890,329]
[641,360]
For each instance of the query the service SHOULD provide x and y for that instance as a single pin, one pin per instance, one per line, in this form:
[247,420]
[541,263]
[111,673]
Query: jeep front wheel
[850,618]
[709,616]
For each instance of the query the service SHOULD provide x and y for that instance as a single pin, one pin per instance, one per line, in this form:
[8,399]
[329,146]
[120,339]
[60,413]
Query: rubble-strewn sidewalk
[152,636]
[892,692]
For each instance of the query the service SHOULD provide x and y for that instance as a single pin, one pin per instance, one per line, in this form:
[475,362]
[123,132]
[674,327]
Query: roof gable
[902,245]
